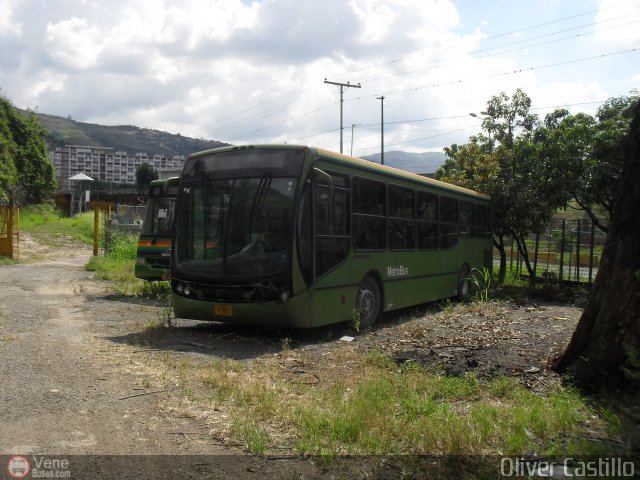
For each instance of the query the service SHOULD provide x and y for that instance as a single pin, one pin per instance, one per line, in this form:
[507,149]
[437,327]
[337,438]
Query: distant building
[106,165]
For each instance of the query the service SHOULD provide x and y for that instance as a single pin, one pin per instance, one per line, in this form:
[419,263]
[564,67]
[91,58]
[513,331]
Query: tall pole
[381,129]
[341,85]
[352,126]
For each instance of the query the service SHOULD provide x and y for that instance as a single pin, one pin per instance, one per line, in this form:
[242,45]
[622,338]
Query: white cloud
[376,17]
[74,42]
[232,70]
[618,24]
[9,25]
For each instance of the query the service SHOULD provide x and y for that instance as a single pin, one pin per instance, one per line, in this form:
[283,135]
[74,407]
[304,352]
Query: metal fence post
[564,224]
[578,252]
[592,243]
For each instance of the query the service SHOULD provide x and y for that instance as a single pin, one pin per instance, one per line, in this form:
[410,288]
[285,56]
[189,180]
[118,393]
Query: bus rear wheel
[368,303]
[464,287]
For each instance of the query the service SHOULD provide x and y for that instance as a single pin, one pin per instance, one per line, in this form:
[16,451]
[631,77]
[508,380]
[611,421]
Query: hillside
[427,162]
[64,131]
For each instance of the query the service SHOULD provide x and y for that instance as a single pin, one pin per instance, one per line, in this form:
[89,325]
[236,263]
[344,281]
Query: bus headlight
[179,288]
[187,290]
[140,260]
[284,295]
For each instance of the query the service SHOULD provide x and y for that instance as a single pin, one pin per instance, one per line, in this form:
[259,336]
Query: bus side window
[402,228]
[449,228]
[331,223]
[369,214]
[481,230]
[466,219]
[428,232]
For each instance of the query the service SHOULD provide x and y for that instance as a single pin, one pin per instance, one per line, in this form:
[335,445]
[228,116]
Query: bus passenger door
[333,297]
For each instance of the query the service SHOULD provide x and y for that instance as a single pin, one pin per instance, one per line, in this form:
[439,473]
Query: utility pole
[342,86]
[381,98]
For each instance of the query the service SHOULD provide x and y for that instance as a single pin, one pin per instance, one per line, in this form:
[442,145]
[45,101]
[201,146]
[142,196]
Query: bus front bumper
[295,312]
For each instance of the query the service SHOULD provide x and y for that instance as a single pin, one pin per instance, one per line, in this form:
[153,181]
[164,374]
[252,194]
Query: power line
[231,125]
[473,126]
[442,84]
[532,27]
[499,74]
[498,50]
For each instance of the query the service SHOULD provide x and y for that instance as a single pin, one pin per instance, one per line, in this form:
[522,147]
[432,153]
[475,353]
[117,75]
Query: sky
[248,72]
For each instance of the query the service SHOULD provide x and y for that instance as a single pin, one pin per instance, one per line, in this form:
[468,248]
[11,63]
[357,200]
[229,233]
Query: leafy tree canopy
[145,174]
[532,168]
[26,173]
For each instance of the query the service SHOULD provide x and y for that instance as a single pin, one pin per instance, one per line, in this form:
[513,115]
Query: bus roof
[358,162]
[162,187]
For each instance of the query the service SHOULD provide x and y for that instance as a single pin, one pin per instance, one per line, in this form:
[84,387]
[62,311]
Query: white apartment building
[106,165]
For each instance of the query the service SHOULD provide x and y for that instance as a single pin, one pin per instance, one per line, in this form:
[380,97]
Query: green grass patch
[48,226]
[419,413]
[388,410]
[118,266]
[7,261]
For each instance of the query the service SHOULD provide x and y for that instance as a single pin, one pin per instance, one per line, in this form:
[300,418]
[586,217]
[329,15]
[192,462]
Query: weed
[7,261]
[482,281]
[166,312]
[448,307]
[378,360]
[255,437]
[355,319]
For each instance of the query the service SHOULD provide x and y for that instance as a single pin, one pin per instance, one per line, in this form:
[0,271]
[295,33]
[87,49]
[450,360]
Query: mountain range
[63,131]
[131,139]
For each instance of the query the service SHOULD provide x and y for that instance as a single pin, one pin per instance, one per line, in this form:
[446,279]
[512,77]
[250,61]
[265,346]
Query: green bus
[154,245]
[289,235]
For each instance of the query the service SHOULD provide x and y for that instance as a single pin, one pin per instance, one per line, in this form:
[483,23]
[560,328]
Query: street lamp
[381,98]
[486,115]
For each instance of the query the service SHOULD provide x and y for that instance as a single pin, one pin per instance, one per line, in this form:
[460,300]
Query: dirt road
[61,393]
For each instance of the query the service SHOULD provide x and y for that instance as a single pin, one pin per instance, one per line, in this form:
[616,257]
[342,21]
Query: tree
[605,347]
[510,173]
[36,172]
[8,172]
[600,174]
[26,173]
[584,155]
[145,174]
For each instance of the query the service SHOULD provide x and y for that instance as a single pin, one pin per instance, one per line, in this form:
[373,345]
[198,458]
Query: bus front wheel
[464,287]
[368,303]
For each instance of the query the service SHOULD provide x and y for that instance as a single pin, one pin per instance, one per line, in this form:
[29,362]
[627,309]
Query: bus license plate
[224,310]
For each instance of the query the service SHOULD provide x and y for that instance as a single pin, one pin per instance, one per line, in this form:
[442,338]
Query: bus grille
[256,293]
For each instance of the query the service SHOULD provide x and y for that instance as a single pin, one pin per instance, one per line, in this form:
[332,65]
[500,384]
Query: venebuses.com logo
[18,467]
[38,467]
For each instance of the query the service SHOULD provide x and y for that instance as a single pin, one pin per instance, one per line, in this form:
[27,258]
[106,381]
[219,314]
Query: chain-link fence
[568,250]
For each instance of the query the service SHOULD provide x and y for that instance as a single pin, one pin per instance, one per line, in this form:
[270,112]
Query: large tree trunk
[605,348]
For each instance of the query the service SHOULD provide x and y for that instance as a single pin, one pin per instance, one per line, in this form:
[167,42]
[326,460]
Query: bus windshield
[157,220]
[235,227]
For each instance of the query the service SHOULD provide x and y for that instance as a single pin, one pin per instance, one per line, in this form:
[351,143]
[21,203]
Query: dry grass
[286,402]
